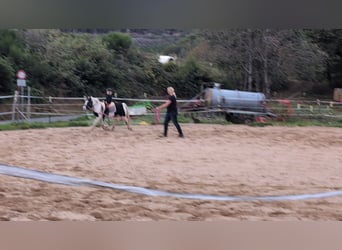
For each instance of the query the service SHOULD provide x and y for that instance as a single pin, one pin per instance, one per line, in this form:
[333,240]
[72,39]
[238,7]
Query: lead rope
[157,116]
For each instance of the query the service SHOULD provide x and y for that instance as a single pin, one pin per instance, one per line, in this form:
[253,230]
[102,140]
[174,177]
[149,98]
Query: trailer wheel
[248,120]
[228,117]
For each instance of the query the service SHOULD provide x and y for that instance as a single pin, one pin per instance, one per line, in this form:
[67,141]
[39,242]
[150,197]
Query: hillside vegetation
[85,62]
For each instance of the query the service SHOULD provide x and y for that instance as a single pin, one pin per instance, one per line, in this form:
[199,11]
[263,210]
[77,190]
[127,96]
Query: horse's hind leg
[127,117]
[128,122]
[113,125]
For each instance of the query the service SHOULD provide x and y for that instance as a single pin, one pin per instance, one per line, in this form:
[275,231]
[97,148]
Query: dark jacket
[109,99]
[172,108]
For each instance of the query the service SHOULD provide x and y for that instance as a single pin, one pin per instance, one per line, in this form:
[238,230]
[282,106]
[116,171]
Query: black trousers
[172,116]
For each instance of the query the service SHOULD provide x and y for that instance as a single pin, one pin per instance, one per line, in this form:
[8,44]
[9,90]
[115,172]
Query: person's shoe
[181,136]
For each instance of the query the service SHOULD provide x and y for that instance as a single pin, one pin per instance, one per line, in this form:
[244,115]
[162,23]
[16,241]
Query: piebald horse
[115,110]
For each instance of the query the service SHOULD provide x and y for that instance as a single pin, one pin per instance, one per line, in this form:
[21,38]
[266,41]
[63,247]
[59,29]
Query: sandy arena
[211,159]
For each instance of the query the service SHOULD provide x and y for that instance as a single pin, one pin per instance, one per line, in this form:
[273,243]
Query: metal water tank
[235,99]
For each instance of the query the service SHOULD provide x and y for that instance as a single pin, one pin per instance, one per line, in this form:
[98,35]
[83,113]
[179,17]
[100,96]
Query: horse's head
[88,104]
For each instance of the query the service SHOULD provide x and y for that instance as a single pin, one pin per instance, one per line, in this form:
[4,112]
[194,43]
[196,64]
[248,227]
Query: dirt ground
[232,160]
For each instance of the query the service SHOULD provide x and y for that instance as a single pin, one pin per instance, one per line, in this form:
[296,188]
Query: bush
[119,42]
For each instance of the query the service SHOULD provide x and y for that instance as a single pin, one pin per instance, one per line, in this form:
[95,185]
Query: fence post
[50,108]
[29,103]
[22,99]
[15,99]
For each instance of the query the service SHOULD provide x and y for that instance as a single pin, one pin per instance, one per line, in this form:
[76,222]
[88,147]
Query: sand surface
[212,159]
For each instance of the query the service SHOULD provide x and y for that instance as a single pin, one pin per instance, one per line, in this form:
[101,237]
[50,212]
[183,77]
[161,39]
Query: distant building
[166,59]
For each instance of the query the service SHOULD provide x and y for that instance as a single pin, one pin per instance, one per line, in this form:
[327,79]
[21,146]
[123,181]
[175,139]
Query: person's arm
[164,105]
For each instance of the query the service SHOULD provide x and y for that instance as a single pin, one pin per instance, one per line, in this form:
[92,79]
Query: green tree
[189,79]
[13,47]
[266,59]
[330,41]
[7,76]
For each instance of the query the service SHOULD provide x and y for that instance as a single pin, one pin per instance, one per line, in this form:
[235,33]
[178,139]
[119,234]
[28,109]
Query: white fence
[25,108]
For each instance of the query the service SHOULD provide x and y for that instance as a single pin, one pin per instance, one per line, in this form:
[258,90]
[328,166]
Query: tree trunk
[266,80]
[250,71]
[257,82]
[250,62]
[267,88]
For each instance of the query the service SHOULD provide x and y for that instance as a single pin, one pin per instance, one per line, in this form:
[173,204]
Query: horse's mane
[95,99]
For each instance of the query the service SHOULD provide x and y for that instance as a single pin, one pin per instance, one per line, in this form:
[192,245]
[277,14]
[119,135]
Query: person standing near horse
[171,112]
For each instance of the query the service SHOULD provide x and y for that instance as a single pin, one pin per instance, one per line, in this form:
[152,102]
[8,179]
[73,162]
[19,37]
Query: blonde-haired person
[171,112]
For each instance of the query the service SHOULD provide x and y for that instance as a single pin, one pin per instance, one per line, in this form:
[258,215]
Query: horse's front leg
[96,121]
[103,125]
